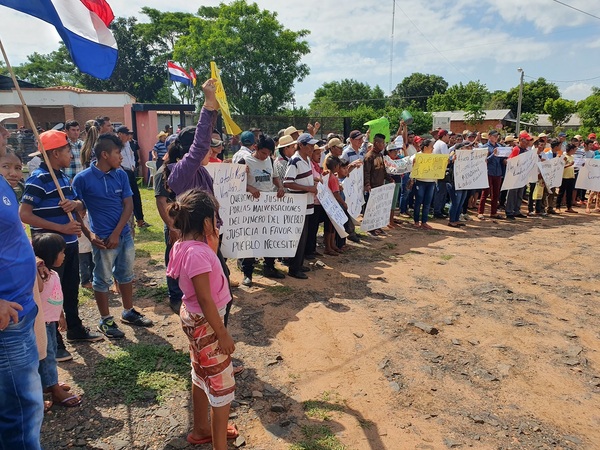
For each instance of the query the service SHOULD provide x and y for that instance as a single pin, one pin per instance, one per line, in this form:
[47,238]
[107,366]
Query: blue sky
[460,40]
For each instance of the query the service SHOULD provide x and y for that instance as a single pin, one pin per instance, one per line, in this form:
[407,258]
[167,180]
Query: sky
[460,40]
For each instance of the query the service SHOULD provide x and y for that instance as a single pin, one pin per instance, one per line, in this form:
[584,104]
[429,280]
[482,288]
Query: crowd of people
[82,204]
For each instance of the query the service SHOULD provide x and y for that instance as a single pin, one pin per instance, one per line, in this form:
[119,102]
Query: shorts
[114,263]
[212,371]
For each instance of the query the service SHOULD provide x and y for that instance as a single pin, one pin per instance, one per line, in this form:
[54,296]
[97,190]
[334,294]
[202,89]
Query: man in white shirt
[247,140]
[128,165]
[439,201]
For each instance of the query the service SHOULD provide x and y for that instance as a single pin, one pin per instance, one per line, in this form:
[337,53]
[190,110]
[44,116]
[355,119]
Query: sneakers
[132,317]
[109,328]
[272,272]
[62,355]
[247,281]
[83,334]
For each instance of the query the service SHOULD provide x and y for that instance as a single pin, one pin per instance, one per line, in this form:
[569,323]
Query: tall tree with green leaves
[52,69]
[349,94]
[470,96]
[259,59]
[559,110]
[535,94]
[416,89]
[589,109]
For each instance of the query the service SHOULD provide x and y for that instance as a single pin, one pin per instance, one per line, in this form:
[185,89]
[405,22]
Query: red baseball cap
[592,136]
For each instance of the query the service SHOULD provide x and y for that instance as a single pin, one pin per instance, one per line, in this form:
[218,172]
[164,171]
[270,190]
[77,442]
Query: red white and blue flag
[193,76]
[83,27]
[178,73]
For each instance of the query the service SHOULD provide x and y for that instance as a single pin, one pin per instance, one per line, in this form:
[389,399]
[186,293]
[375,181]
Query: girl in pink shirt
[194,262]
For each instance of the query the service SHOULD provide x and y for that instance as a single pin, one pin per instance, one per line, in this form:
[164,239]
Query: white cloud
[577,91]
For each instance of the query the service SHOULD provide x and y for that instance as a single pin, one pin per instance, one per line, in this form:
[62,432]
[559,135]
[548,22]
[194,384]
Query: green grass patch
[141,372]
[318,437]
[446,257]
[322,408]
[279,290]
[150,242]
[156,292]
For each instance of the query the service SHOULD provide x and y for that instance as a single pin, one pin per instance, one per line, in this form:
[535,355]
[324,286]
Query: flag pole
[33,127]
[169,85]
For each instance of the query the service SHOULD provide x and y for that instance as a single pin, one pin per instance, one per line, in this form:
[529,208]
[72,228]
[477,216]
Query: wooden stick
[33,127]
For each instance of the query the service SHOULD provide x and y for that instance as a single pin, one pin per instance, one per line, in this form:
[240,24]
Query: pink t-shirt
[52,298]
[191,258]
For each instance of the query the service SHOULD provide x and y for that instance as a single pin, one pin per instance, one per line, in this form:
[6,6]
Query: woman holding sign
[424,189]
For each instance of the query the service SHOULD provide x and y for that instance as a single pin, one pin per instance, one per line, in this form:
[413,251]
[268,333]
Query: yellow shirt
[569,172]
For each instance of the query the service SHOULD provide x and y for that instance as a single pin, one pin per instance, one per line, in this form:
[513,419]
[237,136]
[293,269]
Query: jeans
[69,282]
[424,195]
[440,198]
[494,193]
[114,262]
[86,267]
[513,201]
[406,193]
[458,199]
[175,294]
[21,402]
[137,198]
[48,367]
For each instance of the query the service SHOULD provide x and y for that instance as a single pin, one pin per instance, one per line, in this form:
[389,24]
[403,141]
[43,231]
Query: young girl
[50,248]
[195,264]
[568,180]
[332,165]
[11,168]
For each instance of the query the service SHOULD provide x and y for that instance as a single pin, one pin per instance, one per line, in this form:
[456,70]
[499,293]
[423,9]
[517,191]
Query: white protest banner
[354,192]
[519,170]
[263,227]
[589,176]
[552,171]
[579,161]
[228,179]
[331,206]
[503,152]
[377,212]
[470,169]
[404,165]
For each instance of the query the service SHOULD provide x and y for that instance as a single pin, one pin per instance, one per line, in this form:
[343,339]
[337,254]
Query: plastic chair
[151,165]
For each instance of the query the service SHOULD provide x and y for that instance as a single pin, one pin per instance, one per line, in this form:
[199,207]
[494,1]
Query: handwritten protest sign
[230,125]
[263,227]
[404,165]
[470,170]
[579,161]
[377,212]
[589,176]
[429,166]
[519,170]
[228,179]
[552,171]
[354,192]
[503,152]
[331,206]
[381,125]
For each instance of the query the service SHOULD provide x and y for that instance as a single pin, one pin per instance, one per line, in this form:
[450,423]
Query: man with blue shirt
[495,168]
[105,191]
[21,401]
[42,209]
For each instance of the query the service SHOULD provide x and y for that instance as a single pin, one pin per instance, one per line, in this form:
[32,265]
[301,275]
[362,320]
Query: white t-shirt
[128,157]
[440,148]
[242,153]
[261,173]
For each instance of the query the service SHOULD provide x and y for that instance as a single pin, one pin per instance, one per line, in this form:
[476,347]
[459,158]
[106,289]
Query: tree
[560,110]
[53,69]
[138,71]
[472,95]
[529,117]
[589,109]
[474,114]
[259,59]
[348,94]
[535,94]
[416,89]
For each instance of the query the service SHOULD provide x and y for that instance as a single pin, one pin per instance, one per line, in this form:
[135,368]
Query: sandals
[69,402]
[232,433]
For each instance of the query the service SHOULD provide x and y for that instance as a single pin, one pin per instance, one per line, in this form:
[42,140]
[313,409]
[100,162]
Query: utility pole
[518,128]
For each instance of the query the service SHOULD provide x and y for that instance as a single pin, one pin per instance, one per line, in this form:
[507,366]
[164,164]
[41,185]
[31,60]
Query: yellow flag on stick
[230,125]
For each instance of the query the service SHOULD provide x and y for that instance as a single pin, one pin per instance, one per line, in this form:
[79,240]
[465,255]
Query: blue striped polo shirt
[41,193]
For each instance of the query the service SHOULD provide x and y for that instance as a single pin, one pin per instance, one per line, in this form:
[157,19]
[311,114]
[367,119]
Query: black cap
[123,129]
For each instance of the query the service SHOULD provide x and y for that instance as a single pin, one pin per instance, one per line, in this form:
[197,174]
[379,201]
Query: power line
[565,81]
[577,9]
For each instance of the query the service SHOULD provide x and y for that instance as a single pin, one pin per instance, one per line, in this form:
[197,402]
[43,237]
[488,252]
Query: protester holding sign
[568,183]
[495,169]
[375,172]
[261,178]
[424,188]
[515,196]
[457,197]
[332,165]
[299,180]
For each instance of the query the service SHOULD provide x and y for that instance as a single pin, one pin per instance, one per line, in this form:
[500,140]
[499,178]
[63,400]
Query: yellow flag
[230,125]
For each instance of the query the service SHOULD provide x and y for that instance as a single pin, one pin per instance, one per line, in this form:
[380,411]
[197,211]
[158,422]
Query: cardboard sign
[520,170]
[228,179]
[263,227]
[331,206]
[377,212]
[403,165]
[552,171]
[354,192]
[503,152]
[429,166]
[470,169]
[589,176]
